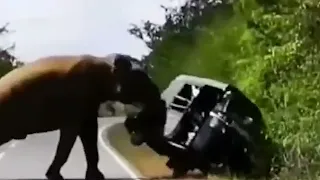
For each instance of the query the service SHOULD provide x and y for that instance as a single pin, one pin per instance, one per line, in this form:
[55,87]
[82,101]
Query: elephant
[60,92]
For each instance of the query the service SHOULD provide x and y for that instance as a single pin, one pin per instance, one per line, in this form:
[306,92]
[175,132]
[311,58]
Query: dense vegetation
[268,48]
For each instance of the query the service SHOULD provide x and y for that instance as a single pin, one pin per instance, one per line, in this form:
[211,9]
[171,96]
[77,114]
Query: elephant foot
[54,176]
[94,175]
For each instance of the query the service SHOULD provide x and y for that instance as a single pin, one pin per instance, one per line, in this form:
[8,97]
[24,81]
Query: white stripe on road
[2,155]
[115,155]
[12,145]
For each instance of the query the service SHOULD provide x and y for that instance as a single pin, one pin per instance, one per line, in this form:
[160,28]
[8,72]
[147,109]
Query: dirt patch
[148,163]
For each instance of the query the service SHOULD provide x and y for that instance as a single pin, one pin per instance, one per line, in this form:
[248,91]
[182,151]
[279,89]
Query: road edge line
[2,154]
[117,157]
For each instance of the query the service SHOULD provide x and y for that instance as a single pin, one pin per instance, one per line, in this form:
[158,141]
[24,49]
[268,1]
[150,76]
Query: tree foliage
[182,26]
[7,61]
[268,48]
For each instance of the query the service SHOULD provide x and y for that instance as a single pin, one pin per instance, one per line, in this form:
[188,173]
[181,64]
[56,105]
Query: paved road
[30,158]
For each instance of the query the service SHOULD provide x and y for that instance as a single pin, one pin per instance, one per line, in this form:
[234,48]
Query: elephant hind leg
[89,136]
[68,136]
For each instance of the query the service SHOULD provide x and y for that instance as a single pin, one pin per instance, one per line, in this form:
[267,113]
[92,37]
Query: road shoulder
[150,164]
[104,136]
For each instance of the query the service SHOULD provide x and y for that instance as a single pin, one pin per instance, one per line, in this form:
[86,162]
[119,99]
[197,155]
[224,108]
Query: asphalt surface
[30,158]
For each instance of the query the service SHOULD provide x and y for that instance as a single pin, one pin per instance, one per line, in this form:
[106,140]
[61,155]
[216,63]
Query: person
[60,93]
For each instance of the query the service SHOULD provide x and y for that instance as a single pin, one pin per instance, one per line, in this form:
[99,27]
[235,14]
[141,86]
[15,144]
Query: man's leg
[67,139]
[89,138]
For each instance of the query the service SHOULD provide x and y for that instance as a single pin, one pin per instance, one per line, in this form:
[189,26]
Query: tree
[182,22]
[7,61]
[179,33]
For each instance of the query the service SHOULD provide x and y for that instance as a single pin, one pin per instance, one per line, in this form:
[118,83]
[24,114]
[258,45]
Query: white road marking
[115,155]
[2,155]
[13,144]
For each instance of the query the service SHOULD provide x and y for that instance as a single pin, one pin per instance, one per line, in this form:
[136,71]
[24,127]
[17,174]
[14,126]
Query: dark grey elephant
[60,93]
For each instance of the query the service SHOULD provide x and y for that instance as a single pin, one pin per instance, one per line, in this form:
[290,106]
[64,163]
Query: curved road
[30,158]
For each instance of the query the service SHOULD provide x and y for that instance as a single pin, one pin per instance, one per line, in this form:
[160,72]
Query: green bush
[270,50]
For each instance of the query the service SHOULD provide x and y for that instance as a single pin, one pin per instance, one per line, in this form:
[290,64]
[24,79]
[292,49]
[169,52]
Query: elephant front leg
[89,136]
[68,136]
